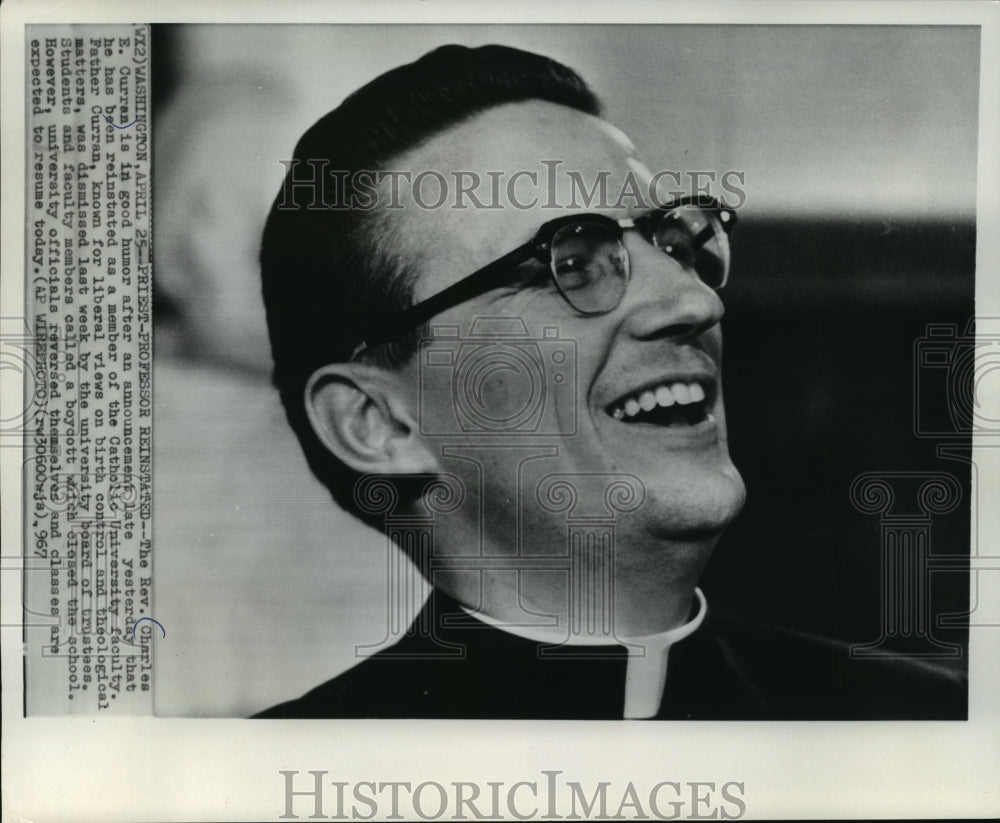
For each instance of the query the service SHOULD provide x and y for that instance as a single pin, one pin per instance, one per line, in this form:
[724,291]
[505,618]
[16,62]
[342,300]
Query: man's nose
[665,298]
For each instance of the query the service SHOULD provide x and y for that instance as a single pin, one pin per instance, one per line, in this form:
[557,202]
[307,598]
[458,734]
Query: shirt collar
[637,645]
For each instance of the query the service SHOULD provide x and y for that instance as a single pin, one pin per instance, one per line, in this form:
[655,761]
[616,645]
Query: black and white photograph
[584,484]
[552,414]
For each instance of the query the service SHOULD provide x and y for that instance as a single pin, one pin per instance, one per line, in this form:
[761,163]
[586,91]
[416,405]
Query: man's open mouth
[669,404]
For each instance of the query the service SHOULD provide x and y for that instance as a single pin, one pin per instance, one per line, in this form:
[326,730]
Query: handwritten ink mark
[151,620]
[113,123]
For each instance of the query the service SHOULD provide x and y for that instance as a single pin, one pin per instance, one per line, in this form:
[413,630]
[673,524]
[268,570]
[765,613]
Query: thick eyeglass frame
[492,275]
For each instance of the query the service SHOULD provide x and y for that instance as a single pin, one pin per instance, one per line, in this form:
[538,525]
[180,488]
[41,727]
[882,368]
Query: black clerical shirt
[452,665]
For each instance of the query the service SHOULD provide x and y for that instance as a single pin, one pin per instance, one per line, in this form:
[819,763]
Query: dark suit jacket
[726,670]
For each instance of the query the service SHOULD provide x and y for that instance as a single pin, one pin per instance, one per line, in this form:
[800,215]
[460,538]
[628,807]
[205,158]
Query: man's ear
[360,414]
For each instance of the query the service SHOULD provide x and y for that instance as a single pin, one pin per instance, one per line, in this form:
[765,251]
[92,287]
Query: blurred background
[858,146]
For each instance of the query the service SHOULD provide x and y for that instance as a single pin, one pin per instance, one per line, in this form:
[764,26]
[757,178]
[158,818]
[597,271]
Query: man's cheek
[499,393]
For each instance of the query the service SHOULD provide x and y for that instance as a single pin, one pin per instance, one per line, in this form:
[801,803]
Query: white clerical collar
[646,673]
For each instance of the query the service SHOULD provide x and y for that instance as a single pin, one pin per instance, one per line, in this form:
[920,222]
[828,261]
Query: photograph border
[152,768]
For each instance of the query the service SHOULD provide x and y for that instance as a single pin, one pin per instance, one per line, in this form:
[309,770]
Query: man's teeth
[682,394]
[679,393]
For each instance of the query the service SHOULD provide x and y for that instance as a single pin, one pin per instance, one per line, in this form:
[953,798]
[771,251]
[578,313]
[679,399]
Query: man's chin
[699,507]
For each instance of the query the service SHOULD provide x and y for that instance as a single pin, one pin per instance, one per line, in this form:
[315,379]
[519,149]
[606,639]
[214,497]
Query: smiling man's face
[648,396]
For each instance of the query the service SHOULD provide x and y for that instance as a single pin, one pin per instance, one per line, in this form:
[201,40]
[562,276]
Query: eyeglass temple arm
[478,282]
[465,289]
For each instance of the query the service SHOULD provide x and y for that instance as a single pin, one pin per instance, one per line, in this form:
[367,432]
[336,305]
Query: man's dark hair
[326,274]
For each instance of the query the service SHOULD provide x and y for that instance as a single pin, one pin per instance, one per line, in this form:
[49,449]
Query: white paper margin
[169,769]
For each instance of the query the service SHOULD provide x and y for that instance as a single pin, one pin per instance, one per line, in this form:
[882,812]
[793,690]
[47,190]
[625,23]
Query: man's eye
[570,269]
[573,273]
[569,265]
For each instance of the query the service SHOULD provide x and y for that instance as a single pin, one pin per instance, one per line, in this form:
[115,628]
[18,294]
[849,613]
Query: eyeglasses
[588,261]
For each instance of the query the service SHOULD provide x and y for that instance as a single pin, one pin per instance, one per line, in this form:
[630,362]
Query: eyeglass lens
[697,240]
[590,264]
